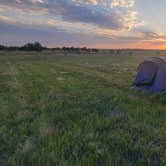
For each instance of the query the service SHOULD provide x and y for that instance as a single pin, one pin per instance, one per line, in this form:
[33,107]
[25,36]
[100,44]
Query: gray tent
[151,75]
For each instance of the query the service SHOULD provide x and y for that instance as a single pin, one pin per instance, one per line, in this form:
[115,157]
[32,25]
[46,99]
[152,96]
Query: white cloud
[37,1]
[122,3]
[93,2]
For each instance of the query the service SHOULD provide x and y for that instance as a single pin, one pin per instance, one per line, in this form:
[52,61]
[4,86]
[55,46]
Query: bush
[32,47]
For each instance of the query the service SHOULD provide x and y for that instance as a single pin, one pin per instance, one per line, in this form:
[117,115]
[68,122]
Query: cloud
[154,38]
[85,18]
[37,1]
[52,35]
[93,2]
[71,12]
[7,20]
[76,12]
[55,25]
[122,3]
[150,38]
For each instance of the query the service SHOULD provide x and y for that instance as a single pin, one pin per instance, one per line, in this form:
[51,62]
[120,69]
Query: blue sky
[91,23]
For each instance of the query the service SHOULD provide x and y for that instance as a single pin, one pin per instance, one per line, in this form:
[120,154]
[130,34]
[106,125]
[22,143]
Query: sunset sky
[91,23]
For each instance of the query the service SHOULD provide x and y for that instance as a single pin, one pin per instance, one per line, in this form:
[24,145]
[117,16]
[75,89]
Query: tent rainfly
[151,75]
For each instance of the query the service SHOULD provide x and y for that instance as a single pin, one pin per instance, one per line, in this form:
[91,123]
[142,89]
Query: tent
[151,75]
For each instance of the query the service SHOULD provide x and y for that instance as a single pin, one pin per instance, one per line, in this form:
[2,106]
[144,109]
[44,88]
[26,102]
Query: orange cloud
[7,19]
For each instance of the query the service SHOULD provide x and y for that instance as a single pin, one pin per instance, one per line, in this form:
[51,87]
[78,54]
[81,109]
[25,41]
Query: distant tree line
[36,46]
[77,49]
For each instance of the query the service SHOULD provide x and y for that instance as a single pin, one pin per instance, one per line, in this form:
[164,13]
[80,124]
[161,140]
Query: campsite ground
[77,110]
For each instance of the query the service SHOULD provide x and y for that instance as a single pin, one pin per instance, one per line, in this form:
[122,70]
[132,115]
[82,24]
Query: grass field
[78,110]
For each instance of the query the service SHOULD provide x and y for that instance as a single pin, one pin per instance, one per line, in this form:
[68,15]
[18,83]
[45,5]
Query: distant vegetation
[36,46]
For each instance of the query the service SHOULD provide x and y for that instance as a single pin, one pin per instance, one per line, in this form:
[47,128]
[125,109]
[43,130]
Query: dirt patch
[27,146]
[60,78]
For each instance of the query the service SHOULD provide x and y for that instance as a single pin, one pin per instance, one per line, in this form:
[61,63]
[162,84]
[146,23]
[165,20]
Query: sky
[79,23]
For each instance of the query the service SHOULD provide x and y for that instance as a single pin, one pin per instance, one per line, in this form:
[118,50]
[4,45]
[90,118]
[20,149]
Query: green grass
[78,110]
